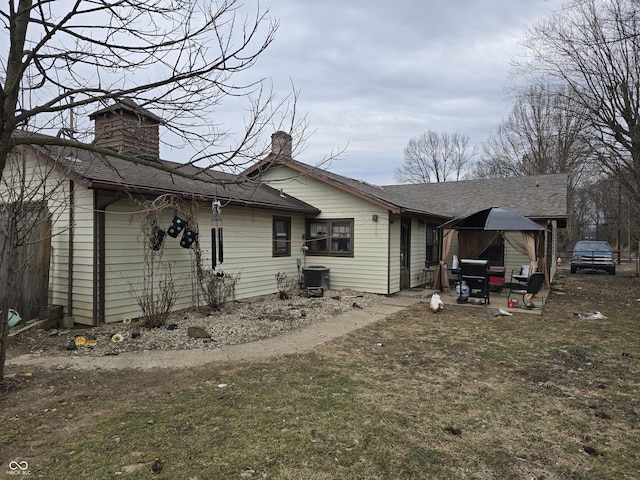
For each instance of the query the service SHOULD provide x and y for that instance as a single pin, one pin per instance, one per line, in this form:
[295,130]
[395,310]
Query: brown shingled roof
[96,171]
[536,197]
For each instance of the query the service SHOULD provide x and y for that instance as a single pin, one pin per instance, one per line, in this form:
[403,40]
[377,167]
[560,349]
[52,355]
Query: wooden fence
[25,269]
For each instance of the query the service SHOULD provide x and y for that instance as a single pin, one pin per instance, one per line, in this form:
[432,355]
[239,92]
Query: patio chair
[519,278]
[533,287]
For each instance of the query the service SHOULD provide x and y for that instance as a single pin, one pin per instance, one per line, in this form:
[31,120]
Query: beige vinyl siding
[125,262]
[247,255]
[248,250]
[83,253]
[367,270]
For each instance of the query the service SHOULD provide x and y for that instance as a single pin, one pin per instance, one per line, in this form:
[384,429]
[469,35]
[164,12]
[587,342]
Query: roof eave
[412,211]
[202,197]
[561,219]
[57,166]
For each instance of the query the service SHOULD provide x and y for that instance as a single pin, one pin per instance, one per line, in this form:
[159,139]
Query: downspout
[99,243]
[439,271]
[388,252]
[552,248]
[70,257]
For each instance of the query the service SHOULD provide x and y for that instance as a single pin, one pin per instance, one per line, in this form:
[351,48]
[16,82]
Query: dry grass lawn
[455,395]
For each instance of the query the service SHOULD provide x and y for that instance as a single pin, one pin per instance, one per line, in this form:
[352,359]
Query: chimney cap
[126,105]
[281,133]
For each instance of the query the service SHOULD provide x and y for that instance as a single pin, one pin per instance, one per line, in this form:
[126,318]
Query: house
[393,230]
[126,232]
[111,240]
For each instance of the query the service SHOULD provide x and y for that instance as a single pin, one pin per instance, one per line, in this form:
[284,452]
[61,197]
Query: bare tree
[600,213]
[435,157]
[180,59]
[544,133]
[591,51]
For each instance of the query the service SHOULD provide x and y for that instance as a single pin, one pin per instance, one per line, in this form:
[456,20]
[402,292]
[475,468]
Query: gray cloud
[373,74]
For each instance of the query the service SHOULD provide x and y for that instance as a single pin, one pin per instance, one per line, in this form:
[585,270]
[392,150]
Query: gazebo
[476,232]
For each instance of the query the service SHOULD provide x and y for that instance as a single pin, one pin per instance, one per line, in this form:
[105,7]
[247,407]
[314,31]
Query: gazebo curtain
[542,259]
[530,247]
[536,254]
[442,277]
[471,243]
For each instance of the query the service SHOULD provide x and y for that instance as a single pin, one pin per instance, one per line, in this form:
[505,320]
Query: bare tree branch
[591,50]
[435,157]
[178,62]
[178,58]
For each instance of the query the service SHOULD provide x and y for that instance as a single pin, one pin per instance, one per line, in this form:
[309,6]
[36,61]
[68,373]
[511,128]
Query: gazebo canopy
[493,219]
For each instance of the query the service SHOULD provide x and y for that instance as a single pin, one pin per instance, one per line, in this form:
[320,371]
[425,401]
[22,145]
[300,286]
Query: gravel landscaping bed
[235,323]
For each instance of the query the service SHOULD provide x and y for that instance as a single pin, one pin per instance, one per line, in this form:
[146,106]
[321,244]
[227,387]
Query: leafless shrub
[157,300]
[158,293]
[285,284]
[218,287]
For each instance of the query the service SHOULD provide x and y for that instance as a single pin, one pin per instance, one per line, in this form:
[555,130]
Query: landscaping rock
[198,332]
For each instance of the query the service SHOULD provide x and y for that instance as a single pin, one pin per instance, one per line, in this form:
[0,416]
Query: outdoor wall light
[374,217]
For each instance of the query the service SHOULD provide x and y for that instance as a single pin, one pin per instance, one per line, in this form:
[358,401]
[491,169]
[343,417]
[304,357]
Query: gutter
[70,254]
[204,198]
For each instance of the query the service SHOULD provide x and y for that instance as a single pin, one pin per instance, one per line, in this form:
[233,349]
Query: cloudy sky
[372,74]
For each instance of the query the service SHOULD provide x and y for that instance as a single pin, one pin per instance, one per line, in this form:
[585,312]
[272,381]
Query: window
[330,237]
[281,236]
[432,246]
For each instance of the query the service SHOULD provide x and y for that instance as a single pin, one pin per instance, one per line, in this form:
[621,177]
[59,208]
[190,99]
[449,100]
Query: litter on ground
[590,316]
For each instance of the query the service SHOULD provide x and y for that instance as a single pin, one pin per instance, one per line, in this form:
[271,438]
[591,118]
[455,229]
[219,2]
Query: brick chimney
[127,128]
[281,144]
